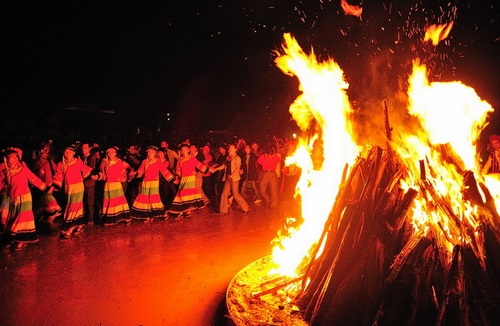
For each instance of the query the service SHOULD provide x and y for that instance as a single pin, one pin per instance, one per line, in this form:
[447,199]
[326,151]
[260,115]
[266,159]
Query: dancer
[188,196]
[70,173]
[148,203]
[114,172]
[15,179]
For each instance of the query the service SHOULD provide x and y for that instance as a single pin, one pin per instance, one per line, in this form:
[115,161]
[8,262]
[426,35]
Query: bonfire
[406,233]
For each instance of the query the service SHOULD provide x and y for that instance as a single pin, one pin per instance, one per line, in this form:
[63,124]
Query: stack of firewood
[371,267]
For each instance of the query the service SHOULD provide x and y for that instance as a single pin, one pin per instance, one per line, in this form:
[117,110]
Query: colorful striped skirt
[115,208]
[147,204]
[21,221]
[188,197]
[4,212]
[49,208]
[73,213]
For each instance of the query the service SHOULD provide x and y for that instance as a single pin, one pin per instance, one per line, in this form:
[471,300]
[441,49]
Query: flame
[437,33]
[492,182]
[323,108]
[350,9]
[451,116]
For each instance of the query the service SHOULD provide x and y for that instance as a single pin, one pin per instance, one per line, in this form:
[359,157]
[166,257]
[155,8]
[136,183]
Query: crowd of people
[60,190]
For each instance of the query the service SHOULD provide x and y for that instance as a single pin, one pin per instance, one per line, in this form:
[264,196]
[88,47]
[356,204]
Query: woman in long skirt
[48,207]
[114,172]
[148,203]
[71,171]
[15,179]
[188,196]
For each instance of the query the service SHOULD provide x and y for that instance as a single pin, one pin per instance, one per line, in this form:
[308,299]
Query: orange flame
[450,114]
[437,33]
[324,107]
[350,9]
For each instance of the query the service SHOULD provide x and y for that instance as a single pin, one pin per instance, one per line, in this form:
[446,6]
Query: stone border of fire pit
[245,308]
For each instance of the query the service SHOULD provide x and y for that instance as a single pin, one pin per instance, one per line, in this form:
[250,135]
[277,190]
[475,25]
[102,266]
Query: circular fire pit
[255,298]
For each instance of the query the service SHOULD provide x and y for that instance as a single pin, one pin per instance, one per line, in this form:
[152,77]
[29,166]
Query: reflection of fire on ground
[406,234]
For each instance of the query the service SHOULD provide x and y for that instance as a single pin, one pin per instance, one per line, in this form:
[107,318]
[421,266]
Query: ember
[405,234]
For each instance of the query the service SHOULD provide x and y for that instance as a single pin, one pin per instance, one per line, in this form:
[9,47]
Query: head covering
[115,148]
[152,148]
[13,150]
[494,137]
[45,144]
[71,148]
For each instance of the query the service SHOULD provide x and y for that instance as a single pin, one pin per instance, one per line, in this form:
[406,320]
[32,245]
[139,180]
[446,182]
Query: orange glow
[452,115]
[437,33]
[492,182]
[350,9]
[322,109]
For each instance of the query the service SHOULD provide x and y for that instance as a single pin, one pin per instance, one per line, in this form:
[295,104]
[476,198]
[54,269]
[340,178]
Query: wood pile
[375,269]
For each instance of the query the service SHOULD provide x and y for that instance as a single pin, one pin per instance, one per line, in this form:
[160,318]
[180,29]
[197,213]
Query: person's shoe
[78,229]
[16,245]
[258,201]
[64,235]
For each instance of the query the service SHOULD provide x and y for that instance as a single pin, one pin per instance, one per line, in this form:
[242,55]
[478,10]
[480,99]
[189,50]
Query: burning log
[422,284]
[366,206]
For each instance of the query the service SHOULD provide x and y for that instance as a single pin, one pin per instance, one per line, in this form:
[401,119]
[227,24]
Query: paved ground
[172,272]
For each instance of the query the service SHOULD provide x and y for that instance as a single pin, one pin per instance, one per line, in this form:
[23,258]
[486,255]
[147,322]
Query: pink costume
[16,209]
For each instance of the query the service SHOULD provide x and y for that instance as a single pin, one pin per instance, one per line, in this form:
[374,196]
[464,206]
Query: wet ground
[173,272]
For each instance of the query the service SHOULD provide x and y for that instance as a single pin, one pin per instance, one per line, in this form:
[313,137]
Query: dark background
[106,69]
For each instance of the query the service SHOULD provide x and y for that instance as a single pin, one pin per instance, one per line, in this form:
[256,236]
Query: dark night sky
[210,63]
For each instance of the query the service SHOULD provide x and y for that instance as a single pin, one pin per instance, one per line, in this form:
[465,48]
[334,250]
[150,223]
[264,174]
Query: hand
[95,177]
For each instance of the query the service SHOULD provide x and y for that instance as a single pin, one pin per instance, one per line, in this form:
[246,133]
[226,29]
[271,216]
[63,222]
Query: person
[15,181]
[48,207]
[199,175]
[147,204]
[290,173]
[232,175]
[256,150]
[218,175]
[134,159]
[492,164]
[71,172]
[270,163]
[208,181]
[249,176]
[172,155]
[167,189]
[188,197]
[240,147]
[89,194]
[114,172]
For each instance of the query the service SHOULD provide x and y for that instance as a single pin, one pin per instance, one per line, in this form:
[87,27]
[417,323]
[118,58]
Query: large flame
[451,116]
[436,157]
[322,109]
